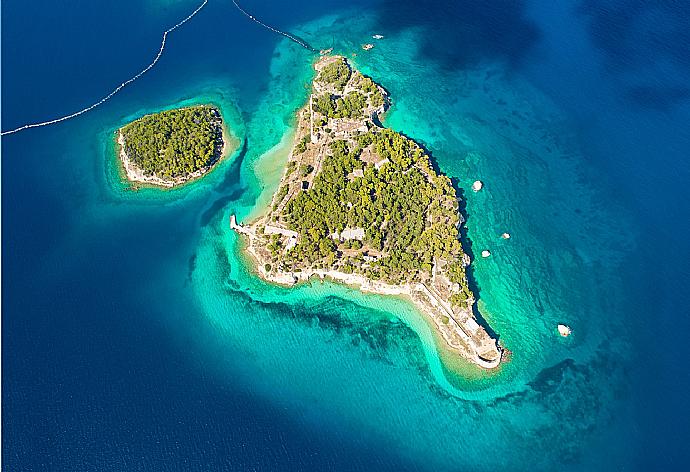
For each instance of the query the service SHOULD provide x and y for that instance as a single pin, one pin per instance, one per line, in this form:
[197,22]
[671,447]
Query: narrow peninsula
[362,205]
[172,147]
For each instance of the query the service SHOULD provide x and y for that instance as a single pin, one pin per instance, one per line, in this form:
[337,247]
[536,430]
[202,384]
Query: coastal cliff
[362,205]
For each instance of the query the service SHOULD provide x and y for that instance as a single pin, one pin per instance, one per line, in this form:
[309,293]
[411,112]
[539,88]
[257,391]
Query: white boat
[564,330]
[377,36]
[367,46]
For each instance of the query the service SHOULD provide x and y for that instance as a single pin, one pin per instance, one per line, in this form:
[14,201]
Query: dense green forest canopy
[175,143]
[409,213]
[336,73]
[349,106]
[362,198]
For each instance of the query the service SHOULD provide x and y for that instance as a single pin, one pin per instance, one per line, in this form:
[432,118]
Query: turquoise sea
[136,336]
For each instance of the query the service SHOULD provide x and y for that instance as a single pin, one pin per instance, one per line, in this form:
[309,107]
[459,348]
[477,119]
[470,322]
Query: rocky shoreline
[136,175]
[459,330]
[271,237]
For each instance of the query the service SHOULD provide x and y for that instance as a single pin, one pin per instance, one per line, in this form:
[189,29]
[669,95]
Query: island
[362,205]
[172,147]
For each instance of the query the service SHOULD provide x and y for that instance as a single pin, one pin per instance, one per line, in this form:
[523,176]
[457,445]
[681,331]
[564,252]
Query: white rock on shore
[135,174]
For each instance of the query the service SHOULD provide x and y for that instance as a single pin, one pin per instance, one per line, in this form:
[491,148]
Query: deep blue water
[109,361]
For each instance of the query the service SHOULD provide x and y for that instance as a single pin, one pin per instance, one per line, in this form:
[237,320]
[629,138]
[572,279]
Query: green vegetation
[378,183]
[336,73]
[377,99]
[366,85]
[456,273]
[291,166]
[301,145]
[306,169]
[280,196]
[175,143]
[408,212]
[350,106]
[325,105]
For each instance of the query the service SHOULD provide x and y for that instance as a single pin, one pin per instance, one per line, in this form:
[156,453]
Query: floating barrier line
[120,87]
[275,30]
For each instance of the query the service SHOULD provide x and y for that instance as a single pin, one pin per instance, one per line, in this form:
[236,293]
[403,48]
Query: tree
[174,143]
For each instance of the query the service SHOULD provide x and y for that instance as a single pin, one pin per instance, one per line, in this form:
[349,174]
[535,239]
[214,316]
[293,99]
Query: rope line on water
[117,89]
[275,30]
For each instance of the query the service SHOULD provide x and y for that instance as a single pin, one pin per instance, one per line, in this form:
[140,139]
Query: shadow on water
[378,336]
[647,41]
[547,382]
[458,34]
[464,238]
[467,247]
[660,98]
[232,175]
[191,266]
[220,203]
[231,182]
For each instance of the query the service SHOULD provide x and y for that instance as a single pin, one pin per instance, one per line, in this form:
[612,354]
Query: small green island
[362,205]
[172,147]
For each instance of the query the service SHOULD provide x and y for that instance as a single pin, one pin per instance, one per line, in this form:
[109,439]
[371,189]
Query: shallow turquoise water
[142,341]
[341,357]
